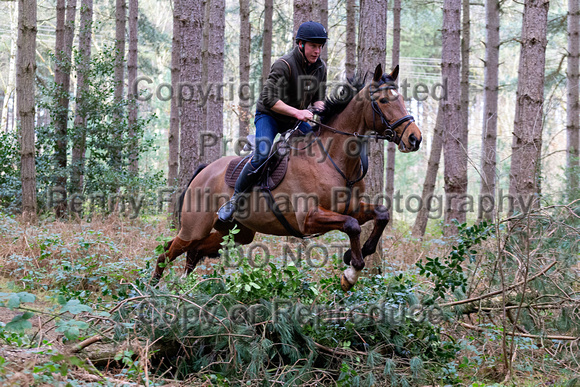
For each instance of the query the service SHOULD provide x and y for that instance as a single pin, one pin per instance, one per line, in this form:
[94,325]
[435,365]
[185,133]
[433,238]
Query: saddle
[271,173]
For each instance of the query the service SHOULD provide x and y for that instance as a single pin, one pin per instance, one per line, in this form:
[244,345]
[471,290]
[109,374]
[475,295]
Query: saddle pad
[274,176]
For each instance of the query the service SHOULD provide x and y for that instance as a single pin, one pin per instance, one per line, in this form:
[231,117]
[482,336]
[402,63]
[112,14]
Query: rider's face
[312,51]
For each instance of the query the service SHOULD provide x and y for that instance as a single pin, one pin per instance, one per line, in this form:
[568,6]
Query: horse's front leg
[320,220]
[366,212]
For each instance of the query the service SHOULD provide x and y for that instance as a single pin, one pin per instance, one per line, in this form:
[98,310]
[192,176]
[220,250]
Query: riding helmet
[312,32]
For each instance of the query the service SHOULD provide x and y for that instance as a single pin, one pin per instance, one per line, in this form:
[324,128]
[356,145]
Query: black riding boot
[246,181]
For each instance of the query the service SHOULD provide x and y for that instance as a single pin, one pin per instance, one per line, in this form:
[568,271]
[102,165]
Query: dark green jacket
[296,82]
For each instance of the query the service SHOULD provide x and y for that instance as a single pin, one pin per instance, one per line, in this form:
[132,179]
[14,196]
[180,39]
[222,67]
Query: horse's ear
[395,73]
[378,73]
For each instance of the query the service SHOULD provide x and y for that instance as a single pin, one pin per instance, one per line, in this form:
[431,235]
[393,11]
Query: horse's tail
[197,171]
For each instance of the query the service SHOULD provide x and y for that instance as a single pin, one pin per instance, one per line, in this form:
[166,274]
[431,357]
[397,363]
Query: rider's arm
[318,105]
[282,108]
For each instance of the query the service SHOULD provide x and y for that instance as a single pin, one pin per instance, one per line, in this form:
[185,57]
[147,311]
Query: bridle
[390,134]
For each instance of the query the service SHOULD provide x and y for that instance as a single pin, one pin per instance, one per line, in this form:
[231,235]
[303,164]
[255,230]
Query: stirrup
[228,209]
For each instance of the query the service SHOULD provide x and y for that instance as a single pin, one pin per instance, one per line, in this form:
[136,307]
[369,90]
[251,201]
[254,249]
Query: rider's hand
[304,115]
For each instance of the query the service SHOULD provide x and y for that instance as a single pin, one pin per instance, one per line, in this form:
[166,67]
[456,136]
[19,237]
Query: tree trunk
[244,54]
[267,40]
[65,19]
[489,132]
[173,138]
[215,102]
[372,50]
[120,28]
[454,150]
[191,111]
[465,48]
[322,17]
[201,151]
[391,147]
[573,108]
[131,77]
[350,61]
[302,13]
[80,123]
[26,59]
[431,177]
[10,82]
[527,140]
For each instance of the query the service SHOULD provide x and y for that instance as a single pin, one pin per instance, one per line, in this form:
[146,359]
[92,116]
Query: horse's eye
[384,100]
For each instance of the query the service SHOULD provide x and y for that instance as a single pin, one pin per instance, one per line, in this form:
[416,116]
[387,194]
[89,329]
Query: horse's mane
[341,96]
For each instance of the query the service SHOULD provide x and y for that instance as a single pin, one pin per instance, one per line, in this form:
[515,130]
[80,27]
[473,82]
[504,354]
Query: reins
[390,134]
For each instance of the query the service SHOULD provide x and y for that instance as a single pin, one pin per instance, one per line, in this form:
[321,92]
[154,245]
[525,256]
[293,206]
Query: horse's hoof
[345,284]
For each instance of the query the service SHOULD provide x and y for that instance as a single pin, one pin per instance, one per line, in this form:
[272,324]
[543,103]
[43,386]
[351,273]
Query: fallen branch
[85,343]
[549,337]
[473,299]
[338,351]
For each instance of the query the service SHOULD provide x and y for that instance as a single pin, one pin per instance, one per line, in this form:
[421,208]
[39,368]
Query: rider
[296,80]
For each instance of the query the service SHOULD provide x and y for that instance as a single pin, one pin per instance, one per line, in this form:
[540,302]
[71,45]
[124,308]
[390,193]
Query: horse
[314,172]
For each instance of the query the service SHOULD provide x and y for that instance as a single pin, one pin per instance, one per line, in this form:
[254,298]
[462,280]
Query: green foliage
[10,195]
[447,273]
[243,323]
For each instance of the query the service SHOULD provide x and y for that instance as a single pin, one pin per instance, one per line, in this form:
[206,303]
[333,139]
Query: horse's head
[390,116]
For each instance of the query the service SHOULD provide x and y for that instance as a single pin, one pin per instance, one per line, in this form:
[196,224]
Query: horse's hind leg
[174,249]
[210,246]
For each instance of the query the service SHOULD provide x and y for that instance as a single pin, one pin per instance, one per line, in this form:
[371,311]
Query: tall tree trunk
[431,176]
[322,17]
[131,77]
[302,13]
[120,29]
[10,82]
[527,140]
[489,132]
[244,55]
[215,102]
[391,147]
[465,48]
[454,150]
[173,138]
[191,66]
[350,61]
[202,152]
[64,38]
[26,59]
[267,40]
[573,107]
[372,50]
[80,123]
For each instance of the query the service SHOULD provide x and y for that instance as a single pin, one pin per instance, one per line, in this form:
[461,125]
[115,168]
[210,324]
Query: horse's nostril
[412,140]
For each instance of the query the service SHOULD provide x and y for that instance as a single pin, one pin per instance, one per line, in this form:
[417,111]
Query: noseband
[390,134]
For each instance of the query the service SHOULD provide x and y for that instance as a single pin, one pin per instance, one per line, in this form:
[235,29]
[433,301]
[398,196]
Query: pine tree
[26,61]
[527,139]
[80,122]
[455,138]
[490,99]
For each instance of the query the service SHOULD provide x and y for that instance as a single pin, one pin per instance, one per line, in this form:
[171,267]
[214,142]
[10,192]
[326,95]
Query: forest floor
[74,260]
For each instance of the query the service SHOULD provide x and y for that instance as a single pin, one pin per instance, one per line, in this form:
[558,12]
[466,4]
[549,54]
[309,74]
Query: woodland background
[506,281]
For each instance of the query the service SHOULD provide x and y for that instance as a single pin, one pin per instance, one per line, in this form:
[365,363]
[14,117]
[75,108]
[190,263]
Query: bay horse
[316,173]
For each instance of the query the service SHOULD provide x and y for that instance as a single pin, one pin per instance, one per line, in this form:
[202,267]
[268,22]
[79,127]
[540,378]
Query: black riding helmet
[312,32]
